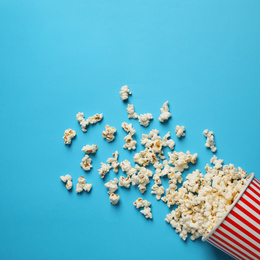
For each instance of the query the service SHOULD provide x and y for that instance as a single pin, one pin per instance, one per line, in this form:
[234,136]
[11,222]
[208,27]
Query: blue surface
[61,57]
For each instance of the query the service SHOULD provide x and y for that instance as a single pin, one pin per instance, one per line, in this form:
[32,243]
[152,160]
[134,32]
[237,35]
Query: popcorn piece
[94,119]
[140,203]
[67,180]
[168,142]
[130,143]
[113,161]
[83,123]
[109,133]
[127,168]
[86,163]
[114,198]
[165,114]
[90,148]
[68,135]
[158,191]
[210,143]
[125,182]
[112,185]
[131,111]
[180,131]
[104,169]
[145,119]
[128,128]
[141,178]
[82,185]
[124,92]
[218,163]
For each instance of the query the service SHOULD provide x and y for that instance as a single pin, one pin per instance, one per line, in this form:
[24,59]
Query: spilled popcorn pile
[200,202]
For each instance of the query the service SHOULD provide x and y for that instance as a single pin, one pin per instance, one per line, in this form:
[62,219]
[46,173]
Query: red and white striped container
[238,232]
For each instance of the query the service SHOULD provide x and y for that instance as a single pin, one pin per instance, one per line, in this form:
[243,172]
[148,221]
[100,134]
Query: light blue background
[61,57]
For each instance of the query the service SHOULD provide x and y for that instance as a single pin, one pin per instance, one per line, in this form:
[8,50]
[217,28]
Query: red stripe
[237,243]
[222,246]
[247,213]
[240,237]
[252,197]
[255,179]
[243,220]
[250,205]
[255,189]
[234,248]
[222,249]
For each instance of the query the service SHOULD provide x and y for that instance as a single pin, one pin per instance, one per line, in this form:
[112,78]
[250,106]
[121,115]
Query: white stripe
[236,246]
[251,201]
[229,248]
[254,195]
[256,184]
[241,223]
[243,205]
[238,240]
[224,250]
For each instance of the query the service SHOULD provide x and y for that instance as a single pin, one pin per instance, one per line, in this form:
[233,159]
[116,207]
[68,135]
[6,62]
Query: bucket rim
[250,177]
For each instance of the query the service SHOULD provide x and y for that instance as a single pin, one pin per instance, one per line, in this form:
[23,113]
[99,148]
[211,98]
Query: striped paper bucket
[238,232]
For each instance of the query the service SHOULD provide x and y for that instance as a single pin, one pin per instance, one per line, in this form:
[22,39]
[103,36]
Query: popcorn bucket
[238,232]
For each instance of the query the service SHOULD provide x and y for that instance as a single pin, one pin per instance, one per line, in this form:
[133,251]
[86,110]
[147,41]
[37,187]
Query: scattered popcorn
[130,143]
[131,111]
[127,168]
[67,180]
[90,148]
[140,203]
[128,128]
[86,163]
[141,178]
[203,200]
[112,185]
[68,135]
[125,182]
[83,123]
[109,133]
[114,198]
[94,119]
[158,191]
[168,142]
[113,161]
[180,131]
[165,114]
[210,143]
[82,185]
[145,119]
[105,168]
[124,92]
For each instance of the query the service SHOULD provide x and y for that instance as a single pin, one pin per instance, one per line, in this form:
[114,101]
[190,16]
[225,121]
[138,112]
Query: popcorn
[180,131]
[83,123]
[165,114]
[128,128]
[113,161]
[125,182]
[140,203]
[86,163]
[158,191]
[203,200]
[67,180]
[145,157]
[127,168]
[131,111]
[210,143]
[168,142]
[130,143]
[105,168]
[112,185]
[114,198]
[90,148]
[109,133]
[145,119]
[124,92]
[141,178]
[82,185]
[94,119]
[68,135]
